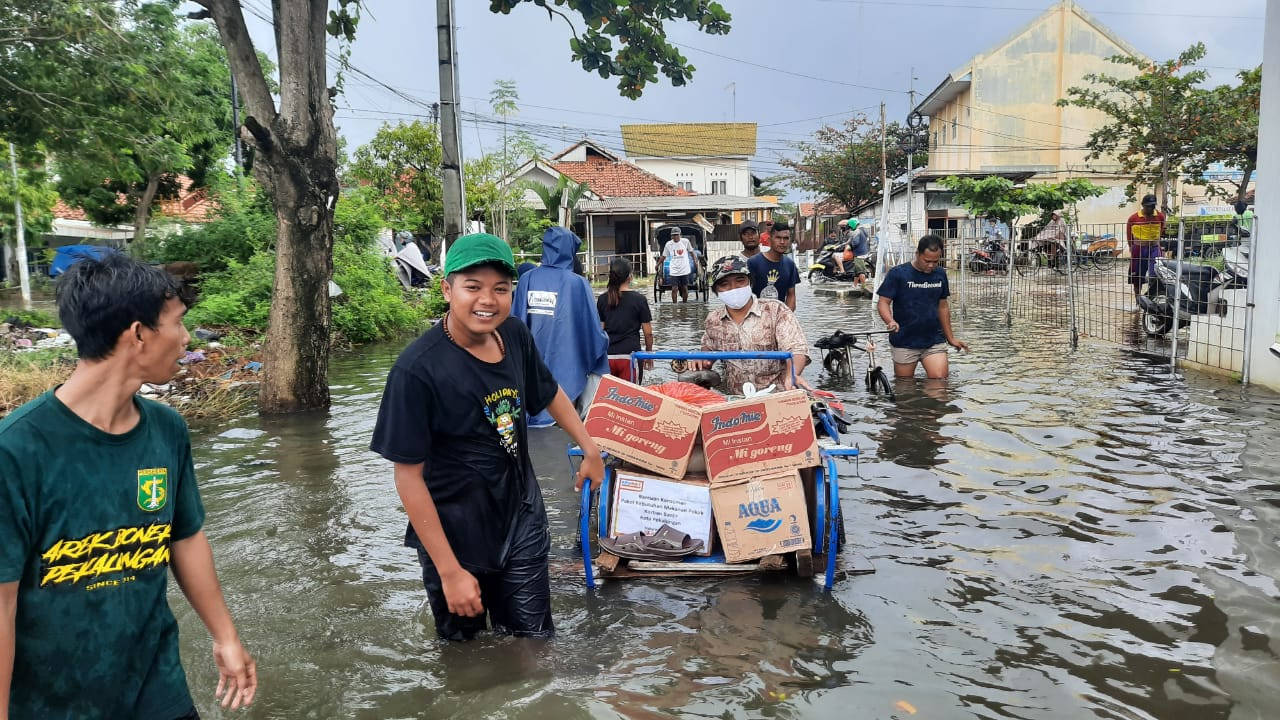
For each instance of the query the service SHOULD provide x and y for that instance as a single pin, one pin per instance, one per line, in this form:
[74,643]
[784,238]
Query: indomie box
[643,427]
[764,516]
[758,435]
[642,503]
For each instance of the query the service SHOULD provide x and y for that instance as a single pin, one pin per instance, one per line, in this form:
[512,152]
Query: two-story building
[997,114]
[705,158]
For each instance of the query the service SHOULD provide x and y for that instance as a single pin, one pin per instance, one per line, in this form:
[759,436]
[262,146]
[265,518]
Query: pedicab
[827,521]
[699,286]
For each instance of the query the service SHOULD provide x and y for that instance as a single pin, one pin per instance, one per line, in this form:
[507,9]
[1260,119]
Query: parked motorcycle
[1199,290]
[989,255]
[823,268]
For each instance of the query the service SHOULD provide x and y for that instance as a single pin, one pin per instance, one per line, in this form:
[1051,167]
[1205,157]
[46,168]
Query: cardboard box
[763,516]
[643,427]
[758,436]
[642,503]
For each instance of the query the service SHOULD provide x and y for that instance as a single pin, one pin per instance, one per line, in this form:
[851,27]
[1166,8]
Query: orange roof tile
[192,206]
[608,178]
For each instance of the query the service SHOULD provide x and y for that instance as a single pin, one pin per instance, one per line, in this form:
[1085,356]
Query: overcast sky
[788,65]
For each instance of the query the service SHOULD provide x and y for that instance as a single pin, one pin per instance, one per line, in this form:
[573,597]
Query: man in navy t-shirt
[774,276]
[913,305]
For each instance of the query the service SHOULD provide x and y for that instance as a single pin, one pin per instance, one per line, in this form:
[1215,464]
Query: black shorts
[680,280]
[517,600]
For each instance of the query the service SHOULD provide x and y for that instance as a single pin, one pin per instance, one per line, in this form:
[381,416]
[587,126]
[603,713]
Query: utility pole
[24,275]
[733,101]
[911,151]
[886,193]
[455,205]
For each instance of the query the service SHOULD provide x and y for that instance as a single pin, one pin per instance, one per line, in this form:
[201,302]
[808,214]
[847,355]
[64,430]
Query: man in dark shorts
[913,305]
[453,421]
[679,253]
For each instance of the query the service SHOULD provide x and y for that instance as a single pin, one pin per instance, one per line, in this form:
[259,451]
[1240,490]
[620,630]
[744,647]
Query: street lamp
[910,144]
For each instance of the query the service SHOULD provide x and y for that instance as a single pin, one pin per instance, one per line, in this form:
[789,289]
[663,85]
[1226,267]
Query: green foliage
[171,113]
[246,225]
[1162,121]
[640,29]
[373,304]
[36,191]
[551,197]
[401,164]
[34,318]
[998,198]
[525,229]
[844,163]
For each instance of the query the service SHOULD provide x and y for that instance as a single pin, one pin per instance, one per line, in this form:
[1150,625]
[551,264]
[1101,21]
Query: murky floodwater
[1056,535]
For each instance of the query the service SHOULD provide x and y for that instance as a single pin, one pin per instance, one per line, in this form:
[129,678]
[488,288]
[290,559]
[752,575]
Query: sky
[790,66]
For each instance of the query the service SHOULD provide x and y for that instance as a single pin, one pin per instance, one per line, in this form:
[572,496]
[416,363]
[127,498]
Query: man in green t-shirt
[98,501]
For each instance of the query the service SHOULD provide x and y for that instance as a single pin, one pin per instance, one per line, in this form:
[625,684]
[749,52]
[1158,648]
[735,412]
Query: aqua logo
[763,526]
[760,508]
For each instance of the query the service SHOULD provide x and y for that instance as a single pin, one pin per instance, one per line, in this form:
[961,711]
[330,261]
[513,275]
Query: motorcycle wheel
[1156,324]
[815,276]
[977,266]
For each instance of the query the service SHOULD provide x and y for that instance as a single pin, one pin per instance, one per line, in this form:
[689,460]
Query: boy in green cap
[452,421]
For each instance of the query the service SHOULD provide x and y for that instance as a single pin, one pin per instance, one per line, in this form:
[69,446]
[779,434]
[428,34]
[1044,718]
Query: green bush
[34,318]
[245,225]
[373,305]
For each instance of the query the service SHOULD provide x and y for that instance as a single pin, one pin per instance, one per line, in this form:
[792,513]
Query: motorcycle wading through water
[1199,291]
[823,268]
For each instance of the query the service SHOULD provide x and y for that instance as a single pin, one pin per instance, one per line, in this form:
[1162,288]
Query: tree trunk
[1243,189]
[296,162]
[142,214]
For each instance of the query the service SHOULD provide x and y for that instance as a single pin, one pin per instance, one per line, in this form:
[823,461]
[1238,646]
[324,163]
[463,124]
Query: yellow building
[998,113]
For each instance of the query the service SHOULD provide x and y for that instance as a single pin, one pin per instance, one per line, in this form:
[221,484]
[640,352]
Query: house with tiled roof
[71,225]
[626,207]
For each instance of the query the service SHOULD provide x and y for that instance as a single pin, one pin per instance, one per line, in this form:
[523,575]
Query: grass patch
[24,376]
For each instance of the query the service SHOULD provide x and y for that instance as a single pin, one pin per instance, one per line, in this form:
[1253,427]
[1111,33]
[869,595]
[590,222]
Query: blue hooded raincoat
[560,311]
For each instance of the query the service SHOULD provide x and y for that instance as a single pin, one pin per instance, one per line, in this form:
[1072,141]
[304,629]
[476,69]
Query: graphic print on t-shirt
[770,292]
[106,559]
[502,407]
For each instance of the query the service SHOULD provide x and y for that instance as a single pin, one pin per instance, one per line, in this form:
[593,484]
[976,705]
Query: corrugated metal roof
[690,140]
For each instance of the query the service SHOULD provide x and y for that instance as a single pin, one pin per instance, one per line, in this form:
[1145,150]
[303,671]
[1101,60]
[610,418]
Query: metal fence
[1190,302]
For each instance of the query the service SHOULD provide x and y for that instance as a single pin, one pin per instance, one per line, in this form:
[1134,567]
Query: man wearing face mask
[749,323]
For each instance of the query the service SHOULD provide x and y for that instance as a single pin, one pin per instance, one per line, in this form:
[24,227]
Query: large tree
[844,163]
[296,147]
[1162,122]
[999,198]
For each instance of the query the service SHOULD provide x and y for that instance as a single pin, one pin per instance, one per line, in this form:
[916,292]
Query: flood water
[1055,535]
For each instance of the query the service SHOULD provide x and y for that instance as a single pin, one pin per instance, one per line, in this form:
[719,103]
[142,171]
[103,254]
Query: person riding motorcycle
[855,248]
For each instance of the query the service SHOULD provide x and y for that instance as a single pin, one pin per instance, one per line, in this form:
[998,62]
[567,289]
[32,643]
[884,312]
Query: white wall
[701,171]
[1264,266]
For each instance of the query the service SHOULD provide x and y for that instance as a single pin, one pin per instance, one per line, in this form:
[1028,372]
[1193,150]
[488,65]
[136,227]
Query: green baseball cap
[476,249]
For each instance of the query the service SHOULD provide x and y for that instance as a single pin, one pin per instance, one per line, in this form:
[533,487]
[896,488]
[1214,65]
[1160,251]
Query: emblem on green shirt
[153,488]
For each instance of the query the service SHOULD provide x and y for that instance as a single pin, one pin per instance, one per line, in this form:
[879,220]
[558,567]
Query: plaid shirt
[769,325]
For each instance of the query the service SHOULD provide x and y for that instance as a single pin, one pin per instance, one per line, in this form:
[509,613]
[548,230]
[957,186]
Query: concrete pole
[24,273]
[455,207]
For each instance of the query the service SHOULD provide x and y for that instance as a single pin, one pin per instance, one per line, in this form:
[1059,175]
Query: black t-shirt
[464,419]
[623,323]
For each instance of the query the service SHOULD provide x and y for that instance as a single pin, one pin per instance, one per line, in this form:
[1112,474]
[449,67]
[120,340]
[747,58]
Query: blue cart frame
[826,477]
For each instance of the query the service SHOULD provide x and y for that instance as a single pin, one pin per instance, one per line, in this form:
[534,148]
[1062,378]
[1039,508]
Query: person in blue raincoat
[560,310]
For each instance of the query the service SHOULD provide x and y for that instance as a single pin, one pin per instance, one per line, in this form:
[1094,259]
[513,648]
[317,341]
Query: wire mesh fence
[1183,296]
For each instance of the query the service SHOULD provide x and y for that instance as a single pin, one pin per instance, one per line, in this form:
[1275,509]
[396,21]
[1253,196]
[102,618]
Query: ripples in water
[1057,535]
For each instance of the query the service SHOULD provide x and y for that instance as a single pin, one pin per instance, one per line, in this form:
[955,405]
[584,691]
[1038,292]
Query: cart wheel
[706,288]
[804,563]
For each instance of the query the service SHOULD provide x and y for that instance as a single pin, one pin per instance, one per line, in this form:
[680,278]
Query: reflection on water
[1056,534]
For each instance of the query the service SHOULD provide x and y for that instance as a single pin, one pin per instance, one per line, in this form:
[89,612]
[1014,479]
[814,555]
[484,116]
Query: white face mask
[736,298]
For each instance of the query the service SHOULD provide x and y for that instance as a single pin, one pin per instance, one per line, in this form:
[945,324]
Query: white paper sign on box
[642,503]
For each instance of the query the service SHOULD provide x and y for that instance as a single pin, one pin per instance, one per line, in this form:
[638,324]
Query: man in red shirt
[1144,230]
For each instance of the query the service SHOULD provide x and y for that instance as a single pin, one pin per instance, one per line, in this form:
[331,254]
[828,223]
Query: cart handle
[713,355]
